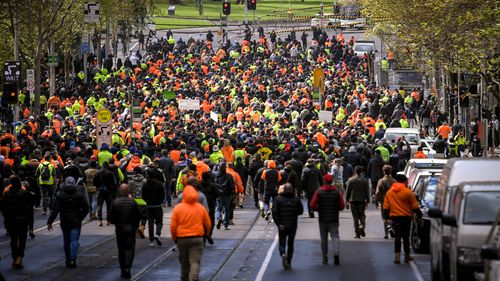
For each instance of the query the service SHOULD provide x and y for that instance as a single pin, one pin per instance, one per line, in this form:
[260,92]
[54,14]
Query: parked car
[327,20]
[361,47]
[358,23]
[455,172]
[473,209]
[490,253]
[425,190]
[412,135]
[423,164]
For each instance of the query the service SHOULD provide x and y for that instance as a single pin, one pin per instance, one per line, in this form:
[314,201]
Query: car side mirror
[489,252]
[435,213]
[449,220]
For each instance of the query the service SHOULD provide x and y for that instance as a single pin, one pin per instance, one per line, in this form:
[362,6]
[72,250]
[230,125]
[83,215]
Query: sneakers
[325,260]
[241,206]
[285,263]
[125,274]
[151,244]
[391,231]
[71,264]
[268,214]
[262,214]
[100,223]
[362,231]
[408,258]
[227,228]
[32,234]
[397,258]
[157,239]
[386,237]
[336,260]
[219,222]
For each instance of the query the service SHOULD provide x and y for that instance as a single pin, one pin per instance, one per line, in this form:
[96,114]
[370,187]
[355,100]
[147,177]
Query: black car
[425,190]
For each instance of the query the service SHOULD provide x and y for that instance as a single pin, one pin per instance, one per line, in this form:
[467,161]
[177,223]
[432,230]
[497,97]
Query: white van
[473,210]
[455,172]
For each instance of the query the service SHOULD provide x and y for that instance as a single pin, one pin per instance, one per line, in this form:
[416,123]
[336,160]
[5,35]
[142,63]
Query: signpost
[30,83]
[187,104]
[12,71]
[52,59]
[103,128]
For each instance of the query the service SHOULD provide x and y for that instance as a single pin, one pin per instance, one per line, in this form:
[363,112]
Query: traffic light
[10,94]
[226,8]
[251,4]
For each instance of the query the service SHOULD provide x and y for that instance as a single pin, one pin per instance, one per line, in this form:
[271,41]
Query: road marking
[416,271]
[267,260]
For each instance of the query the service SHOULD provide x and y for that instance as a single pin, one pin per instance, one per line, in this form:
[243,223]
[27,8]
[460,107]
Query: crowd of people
[268,134]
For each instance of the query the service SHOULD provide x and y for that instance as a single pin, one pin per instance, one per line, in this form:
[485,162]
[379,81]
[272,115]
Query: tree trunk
[38,69]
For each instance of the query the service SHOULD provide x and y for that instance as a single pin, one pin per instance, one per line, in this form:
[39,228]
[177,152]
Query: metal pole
[459,83]
[52,78]
[131,100]
[320,93]
[484,119]
[16,58]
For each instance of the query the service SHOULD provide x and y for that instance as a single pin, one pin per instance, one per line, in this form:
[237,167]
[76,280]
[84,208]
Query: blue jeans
[71,242]
[223,205]
[92,203]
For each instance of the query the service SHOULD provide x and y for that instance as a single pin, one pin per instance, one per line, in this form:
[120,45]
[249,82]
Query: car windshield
[430,191]
[481,207]
[411,138]
[363,48]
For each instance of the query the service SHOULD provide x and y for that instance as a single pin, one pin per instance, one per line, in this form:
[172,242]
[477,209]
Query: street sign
[52,59]
[11,71]
[189,104]
[103,127]
[325,116]
[104,115]
[91,12]
[85,48]
[30,79]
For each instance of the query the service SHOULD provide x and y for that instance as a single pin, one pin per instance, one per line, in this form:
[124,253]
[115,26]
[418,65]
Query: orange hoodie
[400,201]
[189,218]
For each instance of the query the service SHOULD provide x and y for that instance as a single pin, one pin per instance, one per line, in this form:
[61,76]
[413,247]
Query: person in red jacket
[189,224]
[399,205]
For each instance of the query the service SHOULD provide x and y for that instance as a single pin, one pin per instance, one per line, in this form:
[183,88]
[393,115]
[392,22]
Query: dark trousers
[286,241]
[18,232]
[47,196]
[126,249]
[211,214]
[155,217]
[401,227]
[103,197]
[168,192]
[358,215]
[309,198]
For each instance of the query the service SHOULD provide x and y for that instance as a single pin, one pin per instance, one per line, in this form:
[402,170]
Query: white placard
[189,105]
[325,116]
[214,116]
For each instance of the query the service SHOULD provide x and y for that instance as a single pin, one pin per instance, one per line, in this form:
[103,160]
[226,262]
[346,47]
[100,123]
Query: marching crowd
[268,140]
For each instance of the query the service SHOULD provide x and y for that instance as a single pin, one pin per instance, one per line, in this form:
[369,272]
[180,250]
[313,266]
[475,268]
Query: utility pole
[16,58]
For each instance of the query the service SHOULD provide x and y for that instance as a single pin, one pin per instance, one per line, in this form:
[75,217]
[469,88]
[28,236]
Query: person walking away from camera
[337,172]
[17,208]
[189,224]
[153,193]
[311,181]
[399,205]
[329,201]
[358,196]
[46,176]
[383,185]
[209,188]
[105,182]
[135,185]
[225,189]
[90,174]
[271,177]
[286,209]
[73,208]
[125,215]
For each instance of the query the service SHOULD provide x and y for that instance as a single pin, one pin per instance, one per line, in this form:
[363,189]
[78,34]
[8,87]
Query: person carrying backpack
[46,177]
[271,178]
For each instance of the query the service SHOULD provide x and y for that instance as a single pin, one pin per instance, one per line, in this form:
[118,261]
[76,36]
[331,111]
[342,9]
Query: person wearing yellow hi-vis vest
[46,177]
[404,123]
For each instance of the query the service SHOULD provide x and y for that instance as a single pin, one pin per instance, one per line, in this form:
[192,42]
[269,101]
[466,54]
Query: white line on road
[267,260]
[416,271]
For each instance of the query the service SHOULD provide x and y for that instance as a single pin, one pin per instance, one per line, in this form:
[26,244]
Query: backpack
[45,173]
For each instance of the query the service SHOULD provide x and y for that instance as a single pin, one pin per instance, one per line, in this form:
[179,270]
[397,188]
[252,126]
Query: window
[481,207]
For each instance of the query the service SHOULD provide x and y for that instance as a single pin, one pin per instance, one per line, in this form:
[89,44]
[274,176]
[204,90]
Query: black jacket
[286,209]
[375,172]
[124,214]
[209,188]
[311,178]
[328,201]
[153,192]
[17,206]
[72,206]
